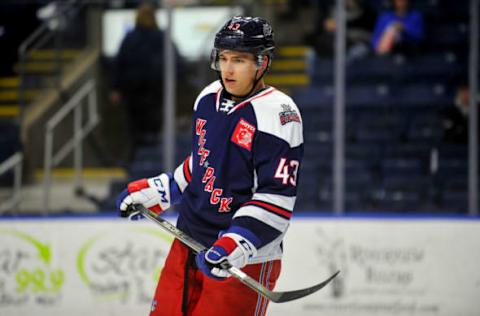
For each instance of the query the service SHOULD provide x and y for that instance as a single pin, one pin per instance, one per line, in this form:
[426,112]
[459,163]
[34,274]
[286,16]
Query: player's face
[238,70]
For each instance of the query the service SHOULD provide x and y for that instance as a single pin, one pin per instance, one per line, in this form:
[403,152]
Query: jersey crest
[243,134]
[288,115]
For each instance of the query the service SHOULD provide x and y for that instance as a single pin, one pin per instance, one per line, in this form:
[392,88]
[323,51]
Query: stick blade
[281,297]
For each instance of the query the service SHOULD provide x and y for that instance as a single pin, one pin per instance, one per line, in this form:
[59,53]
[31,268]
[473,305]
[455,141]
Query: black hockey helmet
[245,34]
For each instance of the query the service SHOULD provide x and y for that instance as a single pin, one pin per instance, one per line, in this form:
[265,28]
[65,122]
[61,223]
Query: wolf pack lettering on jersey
[201,132]
[288,115]
[209,179]
[225,204]
[209,176]
[243,134]
[216,193]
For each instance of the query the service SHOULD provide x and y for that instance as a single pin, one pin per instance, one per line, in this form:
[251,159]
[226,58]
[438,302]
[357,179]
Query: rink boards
[107,266]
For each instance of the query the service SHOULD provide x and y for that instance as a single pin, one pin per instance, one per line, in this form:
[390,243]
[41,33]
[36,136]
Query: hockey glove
[231,249]
[157,194]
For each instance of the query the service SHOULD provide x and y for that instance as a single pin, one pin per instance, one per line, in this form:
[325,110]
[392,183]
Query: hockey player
[237,189]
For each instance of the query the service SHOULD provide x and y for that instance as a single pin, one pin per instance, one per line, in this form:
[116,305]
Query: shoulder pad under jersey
[212,88]
[278,115]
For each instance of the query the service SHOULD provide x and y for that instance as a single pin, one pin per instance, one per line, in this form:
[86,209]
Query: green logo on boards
[26,270]
[123,265]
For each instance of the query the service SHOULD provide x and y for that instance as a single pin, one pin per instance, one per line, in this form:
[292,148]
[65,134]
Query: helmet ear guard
[214,62]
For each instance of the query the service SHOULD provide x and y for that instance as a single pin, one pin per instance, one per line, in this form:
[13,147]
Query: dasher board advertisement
[81,266]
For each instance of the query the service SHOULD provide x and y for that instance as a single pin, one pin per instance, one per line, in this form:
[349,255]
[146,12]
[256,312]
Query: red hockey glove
[157,194]
[231,249]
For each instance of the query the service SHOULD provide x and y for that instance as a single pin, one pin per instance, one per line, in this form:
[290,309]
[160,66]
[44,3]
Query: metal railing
[473,209]
[44,36]
[15,163]
[51,159]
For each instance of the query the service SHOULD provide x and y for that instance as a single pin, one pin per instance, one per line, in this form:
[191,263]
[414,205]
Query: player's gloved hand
[157,194]
[229,250]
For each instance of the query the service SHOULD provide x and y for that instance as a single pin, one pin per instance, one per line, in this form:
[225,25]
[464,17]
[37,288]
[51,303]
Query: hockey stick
[277,297]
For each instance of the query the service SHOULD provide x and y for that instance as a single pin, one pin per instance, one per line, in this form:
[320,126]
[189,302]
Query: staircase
[40,68]
[289,68]
[9,97]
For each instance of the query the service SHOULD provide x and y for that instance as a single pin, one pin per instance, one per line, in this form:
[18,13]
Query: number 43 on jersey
[287,171]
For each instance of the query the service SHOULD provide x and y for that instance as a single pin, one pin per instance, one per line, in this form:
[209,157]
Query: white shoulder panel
[278,115]
[211,88]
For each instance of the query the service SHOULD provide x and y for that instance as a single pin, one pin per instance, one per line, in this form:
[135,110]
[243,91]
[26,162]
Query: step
[49,54]
[287,79]
[9,110]
[274,2]
[9,82]
[118,173]
[289,65]
[45,60]
[30,82]
[292,51]
[40,67]
[7,96]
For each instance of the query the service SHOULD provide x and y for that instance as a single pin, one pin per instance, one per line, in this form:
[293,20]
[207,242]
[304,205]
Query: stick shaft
[197,247]
[277,297]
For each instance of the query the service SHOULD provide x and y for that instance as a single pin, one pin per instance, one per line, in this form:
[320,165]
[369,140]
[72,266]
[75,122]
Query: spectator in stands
[455,117]
[398,31]
[138,75]
[360,21]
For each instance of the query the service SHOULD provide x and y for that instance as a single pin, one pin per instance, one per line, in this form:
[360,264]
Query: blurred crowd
[397,29]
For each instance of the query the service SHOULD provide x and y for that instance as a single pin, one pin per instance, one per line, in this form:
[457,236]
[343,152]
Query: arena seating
[393,126]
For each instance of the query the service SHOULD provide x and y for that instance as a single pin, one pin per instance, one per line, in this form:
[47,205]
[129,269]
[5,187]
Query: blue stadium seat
[448,35]
[425,129]
[445,66]
[145,169]
[368,95]
[448,167]
[417,95]
[401,181]
[369,136]
[404,166]
[454,201]
[308,186]
[373,127]
[313,97]
[318,151]
[453,151]
[400,201]
[148,153]
[455,183]
[360,151]
[374,69]
[322,71]
[408,150]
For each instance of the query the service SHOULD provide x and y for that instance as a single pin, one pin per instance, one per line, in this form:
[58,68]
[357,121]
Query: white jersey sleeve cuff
[183,173]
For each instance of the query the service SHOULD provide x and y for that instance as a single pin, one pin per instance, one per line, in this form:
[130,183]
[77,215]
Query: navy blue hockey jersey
[243,168]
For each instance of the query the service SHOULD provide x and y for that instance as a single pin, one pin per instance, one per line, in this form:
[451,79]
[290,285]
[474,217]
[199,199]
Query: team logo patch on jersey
[288,115]
[243,134]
